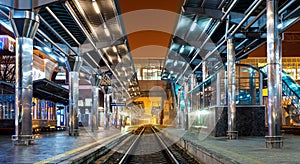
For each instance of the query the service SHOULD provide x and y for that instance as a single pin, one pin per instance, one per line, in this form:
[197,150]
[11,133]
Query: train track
[146,146]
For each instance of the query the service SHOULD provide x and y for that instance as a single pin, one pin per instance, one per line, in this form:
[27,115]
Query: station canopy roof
[71,28]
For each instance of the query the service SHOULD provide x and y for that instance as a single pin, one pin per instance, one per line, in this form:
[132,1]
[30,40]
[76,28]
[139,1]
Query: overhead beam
[26,4]
[202,11]
[87,47]
[101,45]
[250,35]
[90,40]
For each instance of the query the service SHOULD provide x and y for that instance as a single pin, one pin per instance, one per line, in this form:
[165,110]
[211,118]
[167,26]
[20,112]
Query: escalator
[291,93]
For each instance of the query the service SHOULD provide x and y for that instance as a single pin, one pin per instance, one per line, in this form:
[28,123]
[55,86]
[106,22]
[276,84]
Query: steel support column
[193,104]
[94,111]
[274,138]
[232,132]
[261,88]
[115,109]
[204,75]
[252,86]
[179,119]
[73,95]
[186,105]
[25,24]
[106,91]
[218,90]
[95,102]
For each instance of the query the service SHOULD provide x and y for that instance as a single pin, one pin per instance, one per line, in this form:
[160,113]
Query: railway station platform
[59,147]
[243,150]
[55,147]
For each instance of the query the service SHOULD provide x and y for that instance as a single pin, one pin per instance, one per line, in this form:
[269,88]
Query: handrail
[208,79]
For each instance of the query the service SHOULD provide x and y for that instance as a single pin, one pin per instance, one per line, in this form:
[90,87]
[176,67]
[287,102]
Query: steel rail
[132,145]
[170,154]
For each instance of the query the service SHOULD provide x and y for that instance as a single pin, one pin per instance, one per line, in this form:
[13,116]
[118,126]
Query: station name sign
[117,104]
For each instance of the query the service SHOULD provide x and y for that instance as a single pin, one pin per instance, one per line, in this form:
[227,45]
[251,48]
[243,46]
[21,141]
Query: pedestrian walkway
[53,146]
[244,149]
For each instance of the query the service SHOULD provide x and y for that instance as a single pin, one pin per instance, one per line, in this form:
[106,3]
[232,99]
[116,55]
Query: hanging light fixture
[106,30]
[181,49]
[119,58]
[96,7]
[114,49]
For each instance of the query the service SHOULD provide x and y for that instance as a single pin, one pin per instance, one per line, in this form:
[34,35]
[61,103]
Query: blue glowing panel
[1,45]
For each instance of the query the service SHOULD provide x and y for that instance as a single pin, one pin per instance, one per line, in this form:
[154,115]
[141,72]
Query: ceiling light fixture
[119,58]
[106,32]
[193,26]
[96,7]
[114,49]
[175,63]
[181,49]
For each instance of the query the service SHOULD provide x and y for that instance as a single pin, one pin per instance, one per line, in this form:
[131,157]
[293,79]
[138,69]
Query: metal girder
[291,37]
[101,45]
[87,47]
[180,41]
[91,41]
[202,11]
[236,17]
[250,35]
[26,4]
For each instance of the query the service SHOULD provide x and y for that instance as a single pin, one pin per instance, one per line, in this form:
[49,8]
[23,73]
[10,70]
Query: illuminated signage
[7,43]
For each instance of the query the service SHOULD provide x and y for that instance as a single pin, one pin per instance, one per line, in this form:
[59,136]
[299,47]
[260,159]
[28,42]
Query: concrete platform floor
[245,150]
[53,145]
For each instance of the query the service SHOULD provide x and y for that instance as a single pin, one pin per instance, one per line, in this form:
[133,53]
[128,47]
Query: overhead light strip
[96,7]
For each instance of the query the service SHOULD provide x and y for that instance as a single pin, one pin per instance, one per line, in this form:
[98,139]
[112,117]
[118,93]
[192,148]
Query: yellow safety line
[234,154]
[74,150]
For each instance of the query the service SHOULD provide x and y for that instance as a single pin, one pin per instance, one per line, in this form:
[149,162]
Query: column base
[274,142]
[232,135]
[94,129]
[74,133]
[23,139]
